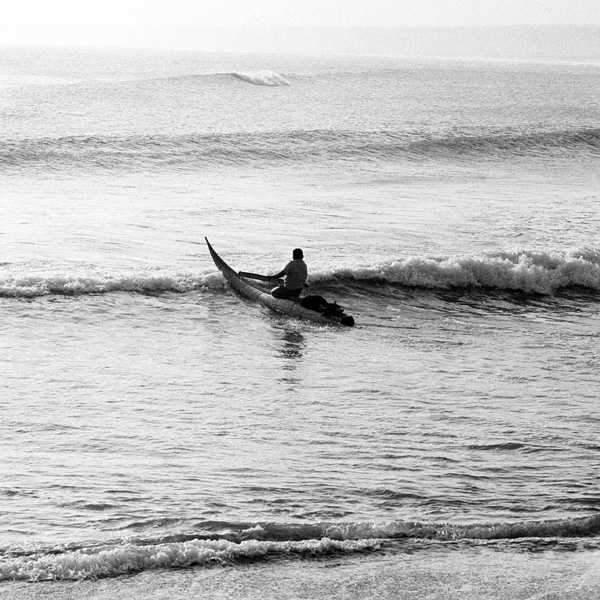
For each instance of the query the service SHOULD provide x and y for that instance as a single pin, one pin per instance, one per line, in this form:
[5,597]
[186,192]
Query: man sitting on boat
[296,276]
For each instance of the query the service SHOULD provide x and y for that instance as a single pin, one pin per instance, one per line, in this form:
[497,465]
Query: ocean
[163,437]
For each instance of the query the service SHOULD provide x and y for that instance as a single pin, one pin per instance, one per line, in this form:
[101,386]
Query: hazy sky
[172,23]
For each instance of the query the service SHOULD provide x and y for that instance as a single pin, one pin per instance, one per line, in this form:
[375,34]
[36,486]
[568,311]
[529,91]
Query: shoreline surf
[455,575]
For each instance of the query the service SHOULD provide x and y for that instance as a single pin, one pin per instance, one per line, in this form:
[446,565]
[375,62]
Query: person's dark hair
[297,253]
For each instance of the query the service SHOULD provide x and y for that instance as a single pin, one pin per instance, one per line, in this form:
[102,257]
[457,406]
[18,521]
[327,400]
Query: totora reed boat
[242,284]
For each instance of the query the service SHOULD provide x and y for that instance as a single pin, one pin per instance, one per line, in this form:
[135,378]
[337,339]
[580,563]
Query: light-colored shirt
[296,274]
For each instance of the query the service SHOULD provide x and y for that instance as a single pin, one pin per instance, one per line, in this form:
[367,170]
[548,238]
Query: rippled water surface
[149,411]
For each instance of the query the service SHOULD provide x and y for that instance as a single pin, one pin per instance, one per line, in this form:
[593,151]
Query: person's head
[297,254]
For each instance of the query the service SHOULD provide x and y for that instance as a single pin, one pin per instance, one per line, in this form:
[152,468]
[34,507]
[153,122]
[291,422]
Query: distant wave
[521,270]
[262,541]
[265,77]
[269,78]
[283,147]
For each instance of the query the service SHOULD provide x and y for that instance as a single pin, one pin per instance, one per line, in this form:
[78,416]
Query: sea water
[153,419]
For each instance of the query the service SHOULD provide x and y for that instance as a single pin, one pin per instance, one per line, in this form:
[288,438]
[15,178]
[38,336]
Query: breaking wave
[524,271]
[264,541]
[269,78]
[31,285]
[520,271]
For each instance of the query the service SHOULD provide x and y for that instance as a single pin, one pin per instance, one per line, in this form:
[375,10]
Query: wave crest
[31,285]
[131,558]
[521,271]
[266,77]
[526,271]
[283,147]
[272,540]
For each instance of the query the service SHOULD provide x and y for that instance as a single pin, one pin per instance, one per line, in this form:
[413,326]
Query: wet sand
[453,576]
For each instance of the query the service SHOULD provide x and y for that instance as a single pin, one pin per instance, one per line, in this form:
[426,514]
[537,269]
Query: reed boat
[245,286]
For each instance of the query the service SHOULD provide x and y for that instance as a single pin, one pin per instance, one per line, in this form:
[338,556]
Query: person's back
[296,276]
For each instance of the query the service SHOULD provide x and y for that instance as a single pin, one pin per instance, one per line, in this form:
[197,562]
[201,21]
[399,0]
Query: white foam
[33,284]
[539,272]
[131,558]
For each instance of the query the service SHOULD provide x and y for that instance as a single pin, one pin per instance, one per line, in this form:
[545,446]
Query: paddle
[257,276]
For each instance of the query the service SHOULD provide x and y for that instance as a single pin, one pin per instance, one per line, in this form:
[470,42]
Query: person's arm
[281,273]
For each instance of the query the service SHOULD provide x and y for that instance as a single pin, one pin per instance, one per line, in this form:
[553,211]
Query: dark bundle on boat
[328,309]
